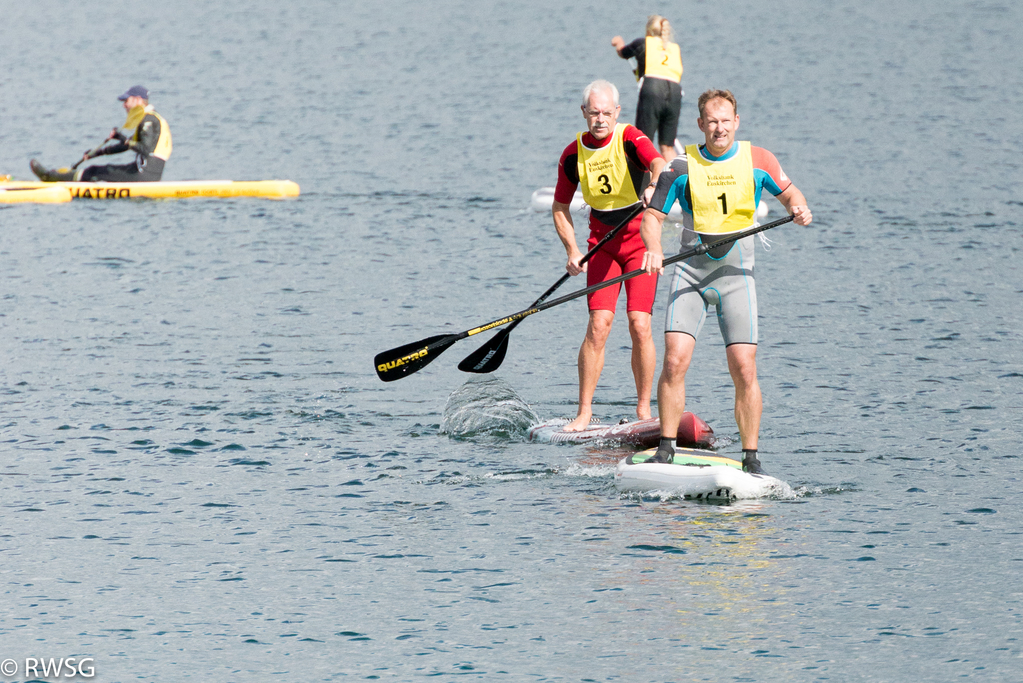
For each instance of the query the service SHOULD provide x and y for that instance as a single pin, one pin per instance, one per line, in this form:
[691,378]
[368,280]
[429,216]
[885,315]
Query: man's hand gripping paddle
[92,152]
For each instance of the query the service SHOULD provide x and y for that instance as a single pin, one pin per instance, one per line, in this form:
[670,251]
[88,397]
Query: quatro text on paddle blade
[404,360]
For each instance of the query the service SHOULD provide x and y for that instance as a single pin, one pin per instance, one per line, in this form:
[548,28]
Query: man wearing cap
[151,143]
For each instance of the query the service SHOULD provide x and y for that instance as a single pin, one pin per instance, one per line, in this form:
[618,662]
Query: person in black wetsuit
[150,141]
[659,70]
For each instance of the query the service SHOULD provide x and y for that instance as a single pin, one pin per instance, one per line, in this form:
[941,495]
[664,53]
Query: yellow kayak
[13,190]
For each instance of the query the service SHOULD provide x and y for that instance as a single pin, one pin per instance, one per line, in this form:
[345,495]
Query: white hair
[602,85]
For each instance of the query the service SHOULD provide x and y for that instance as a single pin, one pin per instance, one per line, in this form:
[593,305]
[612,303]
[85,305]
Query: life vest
[164,145]
[663,62]
[604,177]
[723,193]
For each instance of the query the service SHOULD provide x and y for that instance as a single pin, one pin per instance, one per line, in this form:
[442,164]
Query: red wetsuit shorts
[619,256]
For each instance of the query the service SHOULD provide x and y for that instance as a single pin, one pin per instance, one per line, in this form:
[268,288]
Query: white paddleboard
[694,475]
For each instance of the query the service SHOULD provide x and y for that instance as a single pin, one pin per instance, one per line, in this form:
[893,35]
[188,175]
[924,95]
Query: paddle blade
[488,357]
[405,360]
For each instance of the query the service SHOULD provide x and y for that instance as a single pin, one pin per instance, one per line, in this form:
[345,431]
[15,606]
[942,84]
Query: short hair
[606,86]
[714,95]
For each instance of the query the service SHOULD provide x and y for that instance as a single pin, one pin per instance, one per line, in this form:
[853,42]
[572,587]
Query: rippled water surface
[203,479]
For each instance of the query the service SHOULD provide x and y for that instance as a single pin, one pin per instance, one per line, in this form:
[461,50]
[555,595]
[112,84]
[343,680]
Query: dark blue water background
[203,479]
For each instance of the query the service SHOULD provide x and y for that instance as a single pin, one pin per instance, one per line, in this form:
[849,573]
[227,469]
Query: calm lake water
[202,479]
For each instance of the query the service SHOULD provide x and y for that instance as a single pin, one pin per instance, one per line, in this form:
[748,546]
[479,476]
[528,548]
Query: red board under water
[692,431]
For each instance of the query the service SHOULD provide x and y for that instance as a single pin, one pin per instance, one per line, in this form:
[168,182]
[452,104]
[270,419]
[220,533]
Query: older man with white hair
[609,162]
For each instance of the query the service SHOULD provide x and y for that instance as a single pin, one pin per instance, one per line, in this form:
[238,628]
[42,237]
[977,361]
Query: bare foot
[643,412]
[581,421]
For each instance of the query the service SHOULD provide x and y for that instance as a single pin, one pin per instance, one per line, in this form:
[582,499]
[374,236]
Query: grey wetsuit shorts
[723,280]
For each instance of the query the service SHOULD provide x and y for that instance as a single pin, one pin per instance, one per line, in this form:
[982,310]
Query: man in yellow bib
[718,186]
[608,162]
[150,141]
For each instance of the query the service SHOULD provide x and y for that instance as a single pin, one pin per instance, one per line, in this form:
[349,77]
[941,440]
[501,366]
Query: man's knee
[675,365]
[678,353]
[742,365]
[599,326]
[639,325]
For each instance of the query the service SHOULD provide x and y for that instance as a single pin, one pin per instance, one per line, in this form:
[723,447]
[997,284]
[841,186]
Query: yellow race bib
[604,173]
[723,192]
[662,62]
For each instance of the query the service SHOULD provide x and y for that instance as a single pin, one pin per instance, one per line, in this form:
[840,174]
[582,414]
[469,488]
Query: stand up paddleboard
[33,195]
[39,192]
[643,433]
[542,199]
[694,475]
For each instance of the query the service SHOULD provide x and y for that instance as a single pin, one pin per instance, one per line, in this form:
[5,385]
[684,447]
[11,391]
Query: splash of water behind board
[486,406]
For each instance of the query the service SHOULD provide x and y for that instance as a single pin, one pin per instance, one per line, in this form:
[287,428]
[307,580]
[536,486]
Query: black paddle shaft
[89,154]
[695,251]
[489,357]
[592,252]
[410,358]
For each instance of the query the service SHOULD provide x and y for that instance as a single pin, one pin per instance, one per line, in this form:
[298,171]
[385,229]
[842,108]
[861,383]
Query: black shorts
[125,173]
[660,102]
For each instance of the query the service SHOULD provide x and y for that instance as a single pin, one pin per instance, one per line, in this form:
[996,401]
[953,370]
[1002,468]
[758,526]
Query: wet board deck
[643,433]
[695,475]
